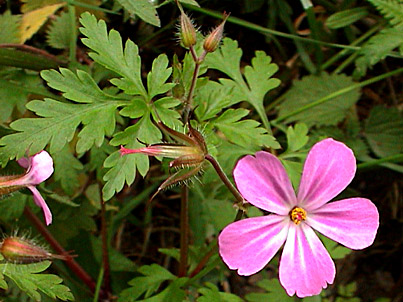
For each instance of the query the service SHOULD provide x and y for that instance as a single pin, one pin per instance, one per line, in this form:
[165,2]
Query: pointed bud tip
[23,250]
[212,41]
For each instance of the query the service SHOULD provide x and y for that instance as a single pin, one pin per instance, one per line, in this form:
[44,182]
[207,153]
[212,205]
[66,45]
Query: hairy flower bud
[212,41]
[22,250]
[187,31]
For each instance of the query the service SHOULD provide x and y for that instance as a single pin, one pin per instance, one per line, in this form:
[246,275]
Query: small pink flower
[305,265]
[39,168]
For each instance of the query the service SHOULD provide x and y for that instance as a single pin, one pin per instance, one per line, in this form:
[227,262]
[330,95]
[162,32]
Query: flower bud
[22,250]
[187,31]
[212,41]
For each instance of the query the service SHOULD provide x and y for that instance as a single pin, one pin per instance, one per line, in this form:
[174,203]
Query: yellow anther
[297,215]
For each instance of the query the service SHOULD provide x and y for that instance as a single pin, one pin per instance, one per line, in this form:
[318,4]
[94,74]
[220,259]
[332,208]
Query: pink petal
[40,169]
[305,265]
[328,169]
[352,222]
[24,162]
[39,201]
[248,245]
[263,181]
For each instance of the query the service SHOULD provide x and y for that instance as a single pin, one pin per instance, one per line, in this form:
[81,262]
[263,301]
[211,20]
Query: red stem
[71,263]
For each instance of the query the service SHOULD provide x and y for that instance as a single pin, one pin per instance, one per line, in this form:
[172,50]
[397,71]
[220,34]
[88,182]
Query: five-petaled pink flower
[305,265]
[39,167]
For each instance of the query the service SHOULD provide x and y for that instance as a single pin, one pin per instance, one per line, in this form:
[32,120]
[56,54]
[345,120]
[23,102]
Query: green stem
[99,284]
[225,179]
[268,31]
[344,52]
[338,93]
[377,162]
[184,232]
[346,62]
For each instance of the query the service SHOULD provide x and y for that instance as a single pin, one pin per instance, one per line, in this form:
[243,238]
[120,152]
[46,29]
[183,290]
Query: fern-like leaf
[391,10]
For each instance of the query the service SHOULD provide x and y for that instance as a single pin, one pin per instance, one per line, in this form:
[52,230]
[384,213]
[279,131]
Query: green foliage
[275,293]
[28,279]
[297,137]
[67,168]
[60,120]
[15,87]
[335,250]
[153,276]
[107,51]
[391,9]
[9,28]
[60,31]
[377,48]
[346,17]
[311,88]
[384,131]
[256,81]
[210,293]
[243,132]
[143,9]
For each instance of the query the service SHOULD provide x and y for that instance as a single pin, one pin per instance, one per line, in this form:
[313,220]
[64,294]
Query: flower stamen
[297,215]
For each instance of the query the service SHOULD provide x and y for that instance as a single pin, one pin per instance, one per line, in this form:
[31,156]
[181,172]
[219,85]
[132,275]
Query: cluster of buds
[188,32]
[22,250]
[39,167]
[188,155]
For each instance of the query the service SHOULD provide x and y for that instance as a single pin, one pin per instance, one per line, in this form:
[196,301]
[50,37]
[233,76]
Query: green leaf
[15,88]
[346,17]
[391,9]
[79,87]
[142,8]
[60,31]
[26,277]
[9,28]
[257,81]
[58,127]
[384,131]
[118,262]
[275,292]
[377,48]
[72,221]
[153,276]
[67,168]
[312,88]
[108,51]
[123,170]
[243,132]
[335,250]
[158,76]
[60,120]
[12,207]
[210,293]
[297,137]
[213,97]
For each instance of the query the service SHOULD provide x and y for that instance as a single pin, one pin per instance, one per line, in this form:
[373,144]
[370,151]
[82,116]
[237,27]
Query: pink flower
[39,167]
[305,265]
